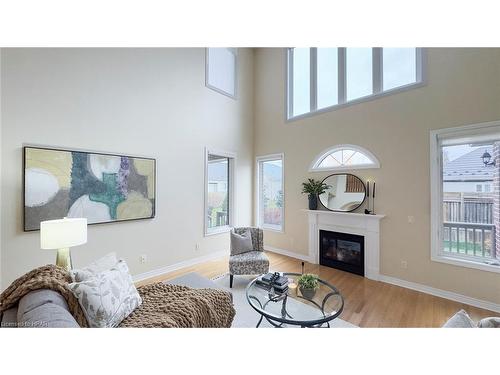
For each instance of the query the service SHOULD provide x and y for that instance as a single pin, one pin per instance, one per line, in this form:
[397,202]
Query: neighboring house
[468,174]
[217,177]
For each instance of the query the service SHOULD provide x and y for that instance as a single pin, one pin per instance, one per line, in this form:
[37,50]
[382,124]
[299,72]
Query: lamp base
[64,259]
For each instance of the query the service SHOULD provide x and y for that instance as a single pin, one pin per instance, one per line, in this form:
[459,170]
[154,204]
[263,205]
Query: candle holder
[371,211]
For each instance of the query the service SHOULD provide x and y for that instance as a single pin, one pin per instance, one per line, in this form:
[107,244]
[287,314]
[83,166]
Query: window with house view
[325,78]
[270,192]
[218,199]
[469,198]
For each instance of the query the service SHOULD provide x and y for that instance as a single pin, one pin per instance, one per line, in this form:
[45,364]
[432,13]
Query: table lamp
[61,235]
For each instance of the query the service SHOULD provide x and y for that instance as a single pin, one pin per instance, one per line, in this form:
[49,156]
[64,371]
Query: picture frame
[102,187]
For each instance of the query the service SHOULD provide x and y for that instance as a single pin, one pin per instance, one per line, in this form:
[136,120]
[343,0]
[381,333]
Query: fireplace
[343,251]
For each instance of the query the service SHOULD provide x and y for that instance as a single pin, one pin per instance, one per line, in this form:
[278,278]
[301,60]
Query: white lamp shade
[63,233]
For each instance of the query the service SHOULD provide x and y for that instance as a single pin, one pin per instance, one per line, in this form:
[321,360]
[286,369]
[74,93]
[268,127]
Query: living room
[292,183]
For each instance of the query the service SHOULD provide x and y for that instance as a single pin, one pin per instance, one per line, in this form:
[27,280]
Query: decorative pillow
[107,297]
[492,322]
[460,320]
[241,243]
[103,264]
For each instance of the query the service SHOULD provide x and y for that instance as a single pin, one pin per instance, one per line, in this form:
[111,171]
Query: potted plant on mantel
[308,284]
[314,188]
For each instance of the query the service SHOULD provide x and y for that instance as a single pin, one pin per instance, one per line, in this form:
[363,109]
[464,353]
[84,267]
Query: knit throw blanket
[175,306]
[163,305]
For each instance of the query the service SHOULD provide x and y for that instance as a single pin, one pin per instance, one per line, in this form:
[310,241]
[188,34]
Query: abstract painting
[100,187]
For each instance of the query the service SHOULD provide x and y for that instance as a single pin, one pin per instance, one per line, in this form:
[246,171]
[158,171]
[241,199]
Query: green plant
[308,281]
[313,187]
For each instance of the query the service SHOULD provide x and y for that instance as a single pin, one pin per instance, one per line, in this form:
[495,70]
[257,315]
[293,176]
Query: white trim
[368,98]
[462,262]
[176,266]
[232,191]
[482,304]
[258,160]
[377,70]
[464,130]
[313,84]
[436,137]
[218,230]
[319,158]
[345,215]
[421,80]
[341,80]
[234,96]
[421,64]
[288,253]
[288,83]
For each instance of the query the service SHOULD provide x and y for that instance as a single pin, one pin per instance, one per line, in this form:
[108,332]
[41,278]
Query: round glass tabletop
[296,307]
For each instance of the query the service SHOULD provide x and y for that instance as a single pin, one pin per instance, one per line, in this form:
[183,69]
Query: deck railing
[469,239]
[470,208]
[220,219]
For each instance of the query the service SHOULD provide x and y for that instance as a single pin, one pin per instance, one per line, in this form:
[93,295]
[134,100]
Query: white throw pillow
[491,322]
[107,297]
[460,320]
[241,243]
[103,264]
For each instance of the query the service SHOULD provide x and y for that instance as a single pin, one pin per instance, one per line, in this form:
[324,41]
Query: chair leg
[230,280]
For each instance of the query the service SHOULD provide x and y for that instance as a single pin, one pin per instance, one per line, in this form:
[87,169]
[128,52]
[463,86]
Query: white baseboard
[177,266]
[290,254]
[441,293]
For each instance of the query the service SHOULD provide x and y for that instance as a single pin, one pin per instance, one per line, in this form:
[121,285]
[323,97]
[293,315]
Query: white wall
[148,102]
[463,88]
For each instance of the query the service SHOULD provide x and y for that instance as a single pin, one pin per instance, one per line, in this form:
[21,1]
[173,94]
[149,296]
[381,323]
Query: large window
[270,192]
[220,70]
[465,186]
[358,73]
[219,166]
[321,79]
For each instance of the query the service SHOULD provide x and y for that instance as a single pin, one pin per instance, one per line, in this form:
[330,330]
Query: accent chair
[253,262]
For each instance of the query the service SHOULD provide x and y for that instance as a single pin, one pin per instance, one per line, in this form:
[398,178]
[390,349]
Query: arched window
[343,157]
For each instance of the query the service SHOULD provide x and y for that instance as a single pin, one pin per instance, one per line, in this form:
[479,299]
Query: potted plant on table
[314,188]
[308,284]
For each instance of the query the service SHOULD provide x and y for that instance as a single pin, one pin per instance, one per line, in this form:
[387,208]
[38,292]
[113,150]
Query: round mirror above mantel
[346,192]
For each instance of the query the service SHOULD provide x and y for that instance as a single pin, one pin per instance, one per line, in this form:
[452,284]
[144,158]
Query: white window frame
[377,77]
[233,95]
[258,208]
[314,167]
[436,181]
[231,191]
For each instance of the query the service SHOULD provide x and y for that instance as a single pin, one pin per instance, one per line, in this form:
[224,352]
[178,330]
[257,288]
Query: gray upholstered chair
[252,262]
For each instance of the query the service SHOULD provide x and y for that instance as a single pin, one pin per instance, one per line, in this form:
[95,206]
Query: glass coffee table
[292,308]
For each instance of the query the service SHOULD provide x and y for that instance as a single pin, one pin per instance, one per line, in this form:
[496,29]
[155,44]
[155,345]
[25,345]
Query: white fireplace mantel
[364,225]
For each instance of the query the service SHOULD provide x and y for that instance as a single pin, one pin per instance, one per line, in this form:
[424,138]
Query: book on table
[278,288]
[275,279]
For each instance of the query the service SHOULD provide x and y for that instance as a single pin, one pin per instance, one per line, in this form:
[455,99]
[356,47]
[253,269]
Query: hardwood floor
[368,303]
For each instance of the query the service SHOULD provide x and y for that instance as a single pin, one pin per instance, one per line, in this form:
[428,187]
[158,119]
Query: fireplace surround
[367,226]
